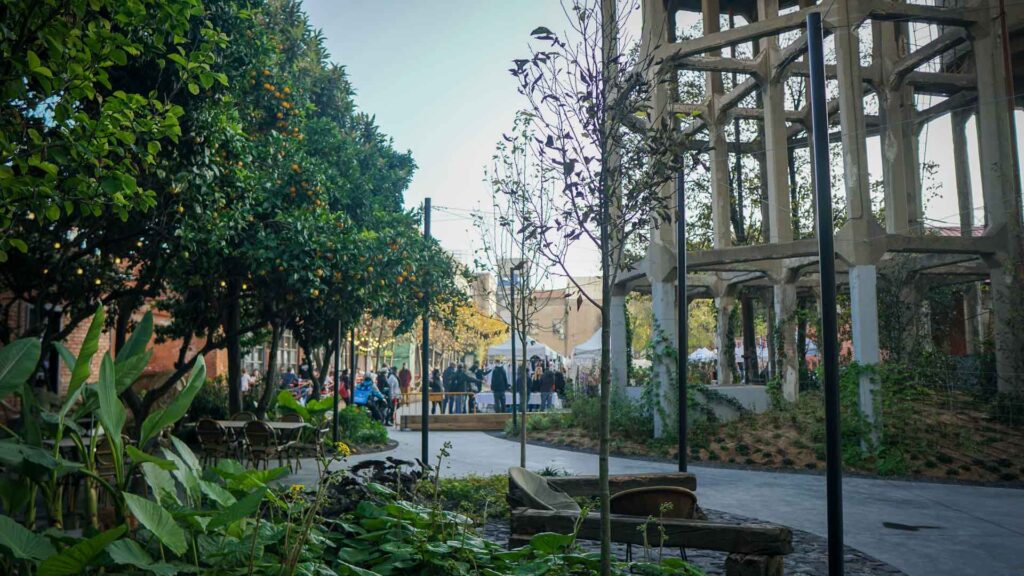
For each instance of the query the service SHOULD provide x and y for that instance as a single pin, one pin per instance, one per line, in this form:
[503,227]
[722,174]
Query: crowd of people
[453,389]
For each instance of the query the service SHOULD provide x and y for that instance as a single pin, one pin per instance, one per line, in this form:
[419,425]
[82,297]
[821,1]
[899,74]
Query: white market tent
[533,348]
[702,355]
[589,349]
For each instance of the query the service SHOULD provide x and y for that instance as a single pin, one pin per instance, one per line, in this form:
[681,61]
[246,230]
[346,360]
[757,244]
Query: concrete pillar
[1002,200]
[617,341]
[863,275]
[776,159]
[900,171]
[718,157]
[785,318]
[965,201]
[864,303]
[851,114]
[726,346]
[663,299]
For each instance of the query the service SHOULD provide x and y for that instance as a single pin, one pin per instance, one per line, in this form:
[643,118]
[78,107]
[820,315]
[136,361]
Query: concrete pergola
[971,76]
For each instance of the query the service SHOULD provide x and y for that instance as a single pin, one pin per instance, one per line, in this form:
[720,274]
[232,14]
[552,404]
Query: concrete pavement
[924,529]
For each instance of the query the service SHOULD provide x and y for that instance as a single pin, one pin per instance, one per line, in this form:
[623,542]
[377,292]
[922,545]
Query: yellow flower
[296,489]
[342,449]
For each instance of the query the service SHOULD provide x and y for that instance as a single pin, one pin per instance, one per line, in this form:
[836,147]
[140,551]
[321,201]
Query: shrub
[355,426]
[211,401]
[476,496]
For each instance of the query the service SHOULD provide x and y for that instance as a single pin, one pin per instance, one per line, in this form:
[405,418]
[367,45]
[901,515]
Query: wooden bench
[456,422]
[753,549]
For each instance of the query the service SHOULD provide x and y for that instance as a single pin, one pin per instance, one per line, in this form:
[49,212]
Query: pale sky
[435,75]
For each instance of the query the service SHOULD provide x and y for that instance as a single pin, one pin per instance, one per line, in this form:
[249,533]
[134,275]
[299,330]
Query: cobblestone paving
[808,557]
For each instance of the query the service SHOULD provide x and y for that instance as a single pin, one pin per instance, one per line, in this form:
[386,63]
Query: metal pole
[512,333]
[337,380]
[681,315]
[351,363]
[829,324]
[425,404]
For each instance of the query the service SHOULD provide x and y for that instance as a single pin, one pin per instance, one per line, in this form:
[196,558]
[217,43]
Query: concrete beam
[948,40]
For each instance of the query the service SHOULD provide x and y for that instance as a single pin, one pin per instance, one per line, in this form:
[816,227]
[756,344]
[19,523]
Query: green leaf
[137,342]
[129,552]
[13,454]
[158,521]
[286,400]
[138,456]
[90,345]
[161,419]
[216,493]
[22,542]
[129,370]
[67,356]
[111,412]
[193,88]
[17,363]
[160,481]
[73,560]
[187,455]
[184,474]
[550,542]
[19,244]
[240,509]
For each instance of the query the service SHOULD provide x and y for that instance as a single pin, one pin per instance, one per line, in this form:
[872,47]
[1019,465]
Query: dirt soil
[958,444]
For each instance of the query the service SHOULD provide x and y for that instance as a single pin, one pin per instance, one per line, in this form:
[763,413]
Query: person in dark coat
[499,385]
[547,387]
[448,380]
[436,387]
[560,382]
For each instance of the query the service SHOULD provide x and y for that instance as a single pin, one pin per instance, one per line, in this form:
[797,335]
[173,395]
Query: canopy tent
[533,348]
[589,349]
[702,355]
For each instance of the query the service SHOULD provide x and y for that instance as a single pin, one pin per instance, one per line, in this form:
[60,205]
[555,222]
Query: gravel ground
[808,557]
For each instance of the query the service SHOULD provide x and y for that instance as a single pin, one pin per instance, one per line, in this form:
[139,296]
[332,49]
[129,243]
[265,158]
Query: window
[288,352]
[253,359]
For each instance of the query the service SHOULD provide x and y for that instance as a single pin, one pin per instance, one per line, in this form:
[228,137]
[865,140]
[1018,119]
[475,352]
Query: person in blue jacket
[367,395]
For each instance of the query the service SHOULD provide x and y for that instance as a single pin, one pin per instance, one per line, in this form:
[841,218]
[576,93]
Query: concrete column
[785,310]
[663,299]
[776,158]
[1002,199]
[965,201]
[900,171]
[617,341]
[864,302]
[726,347]
[851,114]
[718,157]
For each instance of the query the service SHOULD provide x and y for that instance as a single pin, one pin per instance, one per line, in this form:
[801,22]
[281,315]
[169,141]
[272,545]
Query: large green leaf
[240,509]
[90,345]
[161,419]
[160,481]
[73,560]
[214,492]
[138,457]
[22,542]
[187,455]
[17,362]
[137,342]
[66,355]
[112,414]
[286,400]
[158,521]
[185,474]
[129,370]
[129,552]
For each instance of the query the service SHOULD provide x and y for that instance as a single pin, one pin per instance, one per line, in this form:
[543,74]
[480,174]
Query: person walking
[499,385]
[405,382]
[436,391]
[448,380]
[547,387]
[473,384]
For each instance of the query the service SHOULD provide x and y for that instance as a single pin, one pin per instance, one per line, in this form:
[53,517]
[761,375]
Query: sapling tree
[587,98]
[514,256]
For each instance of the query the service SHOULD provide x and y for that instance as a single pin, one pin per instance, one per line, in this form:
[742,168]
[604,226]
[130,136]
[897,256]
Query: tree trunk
[750,367]
[269,383]
[233,338]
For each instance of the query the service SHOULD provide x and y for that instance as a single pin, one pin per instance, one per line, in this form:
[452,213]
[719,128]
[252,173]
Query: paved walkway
[924,529]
